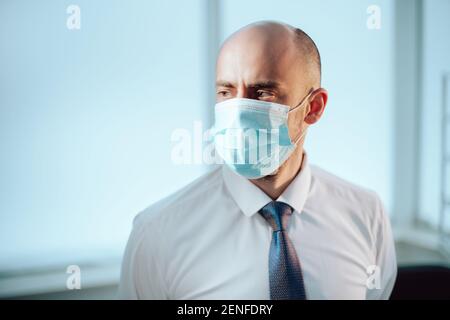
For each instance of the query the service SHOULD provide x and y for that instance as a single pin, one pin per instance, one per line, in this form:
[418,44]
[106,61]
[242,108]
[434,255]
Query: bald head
[277,47]
[308,49]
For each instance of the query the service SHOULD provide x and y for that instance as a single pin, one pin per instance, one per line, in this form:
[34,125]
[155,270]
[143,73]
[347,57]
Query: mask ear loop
[296,140]
[303,100]
[300,136]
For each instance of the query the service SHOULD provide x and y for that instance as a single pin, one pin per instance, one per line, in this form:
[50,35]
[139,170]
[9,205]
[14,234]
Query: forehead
[245,62]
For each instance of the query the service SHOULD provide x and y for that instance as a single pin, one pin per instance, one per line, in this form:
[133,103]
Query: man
[275,227]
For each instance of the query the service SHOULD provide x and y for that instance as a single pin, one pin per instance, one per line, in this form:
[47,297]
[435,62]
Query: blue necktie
[285,274]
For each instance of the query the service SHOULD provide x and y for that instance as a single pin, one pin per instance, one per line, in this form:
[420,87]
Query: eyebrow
[265,84]
[222,83]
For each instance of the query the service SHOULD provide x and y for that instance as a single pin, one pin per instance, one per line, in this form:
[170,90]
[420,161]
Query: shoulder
[342,189]
[145,253]
[362,203]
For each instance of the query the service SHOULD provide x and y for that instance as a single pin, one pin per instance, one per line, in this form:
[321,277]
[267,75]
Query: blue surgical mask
[252,136]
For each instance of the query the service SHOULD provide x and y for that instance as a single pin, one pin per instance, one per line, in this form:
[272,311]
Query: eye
[265,94]
[223,93]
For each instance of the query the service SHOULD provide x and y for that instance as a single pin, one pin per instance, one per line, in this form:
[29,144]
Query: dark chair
[422,282]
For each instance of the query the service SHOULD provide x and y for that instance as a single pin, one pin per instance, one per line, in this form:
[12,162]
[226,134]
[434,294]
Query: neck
[274,185]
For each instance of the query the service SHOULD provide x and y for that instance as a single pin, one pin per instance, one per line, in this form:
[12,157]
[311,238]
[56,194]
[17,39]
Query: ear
[317,105]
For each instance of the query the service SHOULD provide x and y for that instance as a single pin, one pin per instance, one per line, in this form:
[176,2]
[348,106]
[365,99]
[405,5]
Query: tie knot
[277,214]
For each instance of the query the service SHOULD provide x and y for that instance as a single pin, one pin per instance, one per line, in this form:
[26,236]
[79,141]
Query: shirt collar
[251,199]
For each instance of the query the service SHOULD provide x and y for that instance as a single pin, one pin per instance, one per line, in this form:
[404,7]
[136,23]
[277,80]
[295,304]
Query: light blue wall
[86,119]
[435,62]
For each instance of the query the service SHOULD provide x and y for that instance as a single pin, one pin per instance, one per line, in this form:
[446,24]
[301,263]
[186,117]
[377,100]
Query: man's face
[263,67]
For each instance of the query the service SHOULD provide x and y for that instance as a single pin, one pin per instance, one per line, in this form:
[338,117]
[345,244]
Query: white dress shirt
[207,241]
